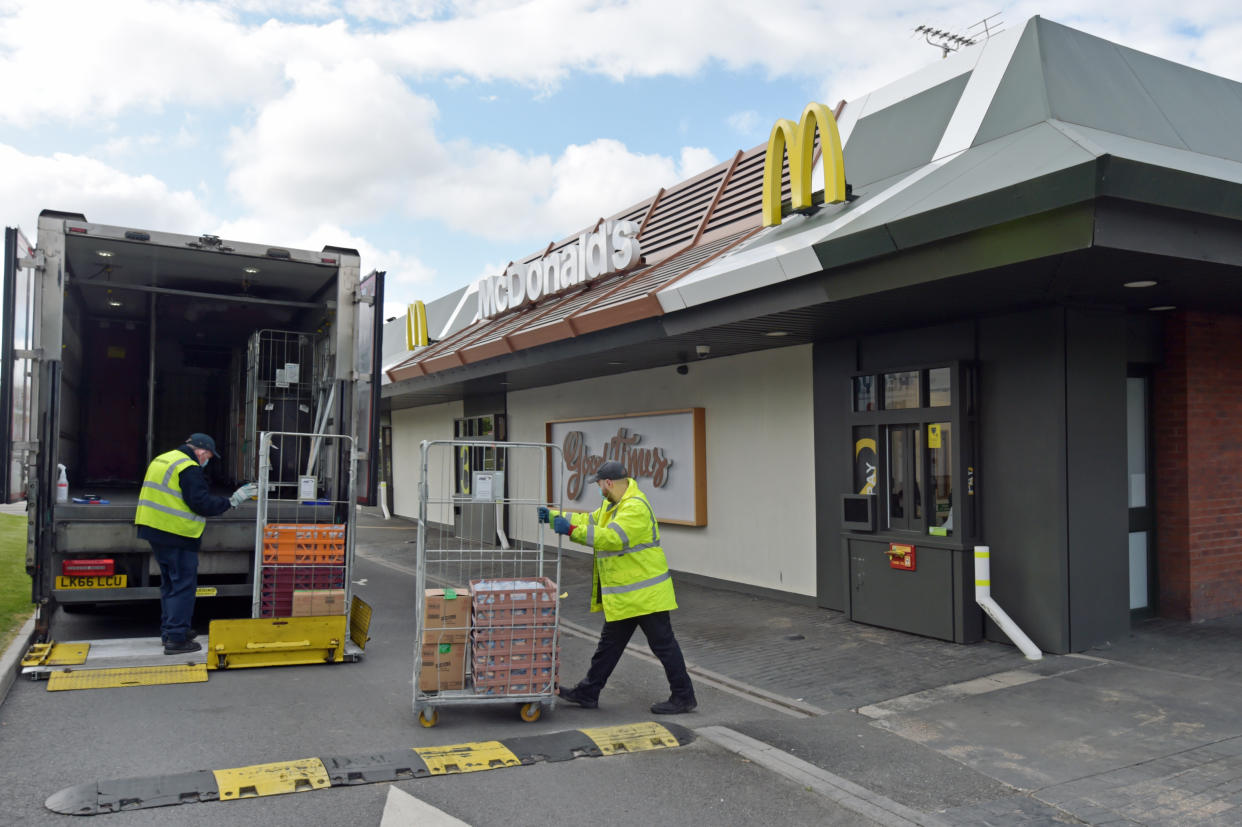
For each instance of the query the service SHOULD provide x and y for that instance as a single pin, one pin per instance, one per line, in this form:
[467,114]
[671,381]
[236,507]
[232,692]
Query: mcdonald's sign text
[611,248]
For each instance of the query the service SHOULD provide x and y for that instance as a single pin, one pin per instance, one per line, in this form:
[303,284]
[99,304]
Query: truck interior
[155,348]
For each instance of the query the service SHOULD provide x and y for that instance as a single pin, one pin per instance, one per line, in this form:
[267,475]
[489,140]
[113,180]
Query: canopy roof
[1044,165]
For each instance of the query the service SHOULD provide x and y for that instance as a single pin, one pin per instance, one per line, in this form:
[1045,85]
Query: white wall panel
[410,426]
[760,482]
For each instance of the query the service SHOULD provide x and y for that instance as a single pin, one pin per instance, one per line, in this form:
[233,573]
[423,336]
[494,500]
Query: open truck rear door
[368,334]
[18,383]
[25,391]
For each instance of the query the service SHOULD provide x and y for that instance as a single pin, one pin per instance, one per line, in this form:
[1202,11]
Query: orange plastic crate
[304,544]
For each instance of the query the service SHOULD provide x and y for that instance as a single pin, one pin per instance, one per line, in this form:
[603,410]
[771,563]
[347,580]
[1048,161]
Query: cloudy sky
[444,138]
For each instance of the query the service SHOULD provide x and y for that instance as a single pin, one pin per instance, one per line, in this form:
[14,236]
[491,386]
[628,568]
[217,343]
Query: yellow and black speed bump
[308,774]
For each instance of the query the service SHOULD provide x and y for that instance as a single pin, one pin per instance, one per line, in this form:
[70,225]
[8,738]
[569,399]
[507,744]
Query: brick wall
[1197,428]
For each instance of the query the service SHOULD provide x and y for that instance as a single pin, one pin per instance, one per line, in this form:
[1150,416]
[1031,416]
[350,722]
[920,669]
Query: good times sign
[663,450]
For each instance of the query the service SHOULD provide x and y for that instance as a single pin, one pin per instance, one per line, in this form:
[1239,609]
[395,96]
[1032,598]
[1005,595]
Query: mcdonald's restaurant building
[1011,317]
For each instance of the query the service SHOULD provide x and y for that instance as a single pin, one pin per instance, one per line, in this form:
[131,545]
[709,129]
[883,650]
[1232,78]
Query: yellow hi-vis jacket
[631,574]
[160,504]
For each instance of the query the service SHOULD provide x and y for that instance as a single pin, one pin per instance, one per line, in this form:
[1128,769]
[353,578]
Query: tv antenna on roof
[947,41]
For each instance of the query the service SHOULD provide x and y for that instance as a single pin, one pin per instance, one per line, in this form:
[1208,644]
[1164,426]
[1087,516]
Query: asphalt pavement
[804,718]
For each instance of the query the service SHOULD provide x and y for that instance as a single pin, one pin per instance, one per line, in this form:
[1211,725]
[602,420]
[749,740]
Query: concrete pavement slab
[1079,724]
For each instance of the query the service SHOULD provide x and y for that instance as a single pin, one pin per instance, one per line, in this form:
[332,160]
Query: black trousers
[615,636]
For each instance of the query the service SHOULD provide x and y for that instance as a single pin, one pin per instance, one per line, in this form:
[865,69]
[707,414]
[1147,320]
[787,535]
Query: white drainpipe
[383,498]
[983,596]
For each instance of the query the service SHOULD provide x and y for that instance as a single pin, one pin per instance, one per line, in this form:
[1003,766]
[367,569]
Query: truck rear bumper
[64,596]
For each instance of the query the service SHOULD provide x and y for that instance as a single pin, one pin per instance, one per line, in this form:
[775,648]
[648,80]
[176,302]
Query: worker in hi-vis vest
[173,508]
[631,585]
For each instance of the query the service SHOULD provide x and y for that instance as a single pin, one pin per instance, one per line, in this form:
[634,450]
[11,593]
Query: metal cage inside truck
[120,342]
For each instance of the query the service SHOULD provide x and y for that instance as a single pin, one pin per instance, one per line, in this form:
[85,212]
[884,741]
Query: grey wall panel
[900,348]
[1022,471]
[832,364]
[484,404]
[1095,416]
[902,136]
[1020,99]
[1204,110]
[1089,82]
[918,601]
[1145,338]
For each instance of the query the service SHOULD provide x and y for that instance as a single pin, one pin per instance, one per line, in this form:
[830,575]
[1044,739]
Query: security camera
[683,370]
[703,351]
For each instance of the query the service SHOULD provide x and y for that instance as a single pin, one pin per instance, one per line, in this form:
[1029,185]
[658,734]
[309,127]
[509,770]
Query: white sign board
[663,451]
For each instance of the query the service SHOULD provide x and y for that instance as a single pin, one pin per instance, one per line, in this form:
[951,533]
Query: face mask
[202,463]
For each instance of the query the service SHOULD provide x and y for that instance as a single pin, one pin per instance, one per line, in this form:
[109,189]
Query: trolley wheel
[530,712]
[429,717]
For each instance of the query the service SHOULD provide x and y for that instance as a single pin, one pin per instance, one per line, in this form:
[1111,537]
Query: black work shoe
[190,635]
[577,696]
[673,706]
[184,647]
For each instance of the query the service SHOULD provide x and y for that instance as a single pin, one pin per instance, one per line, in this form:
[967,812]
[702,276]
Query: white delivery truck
[119,342]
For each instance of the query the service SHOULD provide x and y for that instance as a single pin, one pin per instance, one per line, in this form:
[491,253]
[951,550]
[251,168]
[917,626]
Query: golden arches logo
[799,139]
[416,326]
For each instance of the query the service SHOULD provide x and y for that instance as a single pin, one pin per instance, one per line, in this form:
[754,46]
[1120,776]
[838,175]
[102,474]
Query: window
[905,477]
[940,471]
[911,444]
[901,390]
[866,461]
[864,393]
[938,387]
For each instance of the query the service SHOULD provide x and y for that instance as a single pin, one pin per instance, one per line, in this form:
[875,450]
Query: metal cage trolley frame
[304,534]
[487,571]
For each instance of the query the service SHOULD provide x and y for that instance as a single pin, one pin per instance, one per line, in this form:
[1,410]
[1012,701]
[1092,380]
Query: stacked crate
[513,636]
[303,570]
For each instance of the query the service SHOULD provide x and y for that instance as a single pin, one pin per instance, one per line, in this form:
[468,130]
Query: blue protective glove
[543,514]
[562,526]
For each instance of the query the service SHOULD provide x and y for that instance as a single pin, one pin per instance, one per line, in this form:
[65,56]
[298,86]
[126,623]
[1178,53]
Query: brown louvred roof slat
[557,324]
[737,203]
[636,299]
[499,340]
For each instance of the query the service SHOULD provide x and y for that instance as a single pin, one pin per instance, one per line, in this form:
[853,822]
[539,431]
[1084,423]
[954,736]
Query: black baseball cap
[202,441]
[611,470]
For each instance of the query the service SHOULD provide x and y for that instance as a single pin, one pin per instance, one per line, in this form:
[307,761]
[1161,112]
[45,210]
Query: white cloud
[695,159]
[350,138]
[375,153]
[77,58]
[744,123]
[66,60]
[72,183]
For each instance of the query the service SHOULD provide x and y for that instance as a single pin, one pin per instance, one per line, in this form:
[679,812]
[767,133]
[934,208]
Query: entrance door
[1142,510]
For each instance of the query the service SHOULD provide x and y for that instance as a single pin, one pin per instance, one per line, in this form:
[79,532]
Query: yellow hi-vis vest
[631,574]
[160,504]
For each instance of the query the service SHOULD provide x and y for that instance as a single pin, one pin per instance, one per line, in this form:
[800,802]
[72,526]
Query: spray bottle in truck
[120,342]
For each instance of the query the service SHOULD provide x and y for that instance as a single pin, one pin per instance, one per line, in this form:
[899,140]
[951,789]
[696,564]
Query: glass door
[1142,513]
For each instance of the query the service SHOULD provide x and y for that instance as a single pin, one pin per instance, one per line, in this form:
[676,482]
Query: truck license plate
[112,581]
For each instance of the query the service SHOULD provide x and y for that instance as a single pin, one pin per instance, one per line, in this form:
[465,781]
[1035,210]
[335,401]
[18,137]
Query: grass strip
[15,605]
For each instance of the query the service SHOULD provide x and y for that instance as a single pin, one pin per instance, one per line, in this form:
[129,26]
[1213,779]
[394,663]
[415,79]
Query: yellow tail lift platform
[281,641]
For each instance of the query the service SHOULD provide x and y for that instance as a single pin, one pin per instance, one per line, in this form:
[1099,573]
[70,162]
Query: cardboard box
[445,609]
[444,667]
[318,602]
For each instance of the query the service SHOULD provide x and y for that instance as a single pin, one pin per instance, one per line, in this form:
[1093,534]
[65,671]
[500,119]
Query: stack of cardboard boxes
[446,627]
